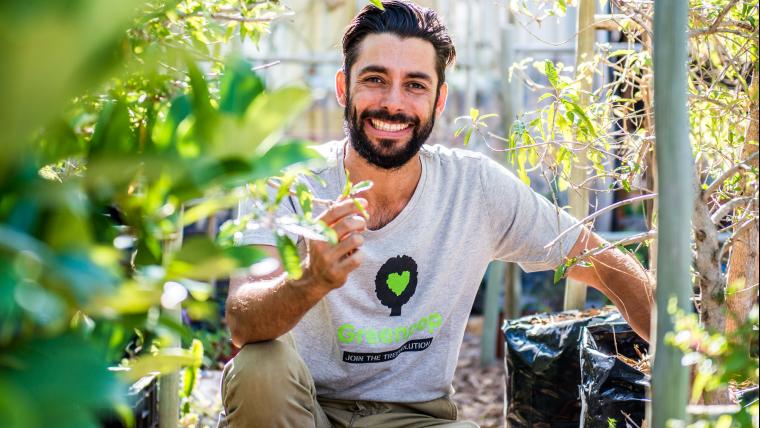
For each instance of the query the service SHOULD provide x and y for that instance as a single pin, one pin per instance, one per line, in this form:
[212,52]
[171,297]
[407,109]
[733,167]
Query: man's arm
[264,308]
[620,277]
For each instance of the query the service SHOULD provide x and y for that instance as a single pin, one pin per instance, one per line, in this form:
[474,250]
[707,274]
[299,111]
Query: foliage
[607,134]
[721,361]
[123,123]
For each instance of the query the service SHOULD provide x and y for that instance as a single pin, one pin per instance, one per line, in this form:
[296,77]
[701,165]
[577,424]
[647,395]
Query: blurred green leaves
[58,49]
[117,118]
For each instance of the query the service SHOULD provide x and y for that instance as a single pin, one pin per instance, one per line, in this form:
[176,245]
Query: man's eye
[373,80]
[415,85]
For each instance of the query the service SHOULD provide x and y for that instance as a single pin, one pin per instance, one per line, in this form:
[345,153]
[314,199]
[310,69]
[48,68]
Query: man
[370,334]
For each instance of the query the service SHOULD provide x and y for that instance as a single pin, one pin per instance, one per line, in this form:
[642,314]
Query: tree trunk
[707,264]
[742,262]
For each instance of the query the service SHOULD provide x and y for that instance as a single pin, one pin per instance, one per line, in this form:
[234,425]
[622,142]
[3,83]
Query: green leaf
[304,198]
[289,255]
[279,157]
[562,4]
[474,113]
[572,106]
[73,367]
[284,190]
[200,258]
[346,186]
[551,73]
[378,4]
[190,373]
[545,96]
[203,112]
[167,360]
[361,186]
[361,209]
[522,158]
[207,208]
[560,272]
[262,124]
[238,88]
[467,136]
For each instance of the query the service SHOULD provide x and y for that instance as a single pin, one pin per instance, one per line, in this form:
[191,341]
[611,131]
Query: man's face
[392,98]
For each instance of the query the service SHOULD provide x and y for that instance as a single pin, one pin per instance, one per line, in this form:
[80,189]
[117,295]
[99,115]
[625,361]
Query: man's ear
[340,87]
[441,103]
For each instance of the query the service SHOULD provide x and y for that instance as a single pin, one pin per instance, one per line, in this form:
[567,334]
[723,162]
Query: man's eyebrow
[383,70]
[373,69]
[420,75]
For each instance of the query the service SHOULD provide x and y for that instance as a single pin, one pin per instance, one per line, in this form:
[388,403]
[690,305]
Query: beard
[385,156]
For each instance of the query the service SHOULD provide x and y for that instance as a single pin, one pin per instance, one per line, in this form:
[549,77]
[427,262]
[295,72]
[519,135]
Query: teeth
[391,127]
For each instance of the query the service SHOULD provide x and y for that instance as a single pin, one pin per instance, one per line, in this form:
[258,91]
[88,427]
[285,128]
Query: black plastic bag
[542,360]
[610,387]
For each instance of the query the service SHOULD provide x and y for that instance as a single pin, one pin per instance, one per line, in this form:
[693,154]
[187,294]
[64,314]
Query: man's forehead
[407,55]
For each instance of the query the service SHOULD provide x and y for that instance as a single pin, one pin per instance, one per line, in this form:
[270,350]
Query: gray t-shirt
[393,331]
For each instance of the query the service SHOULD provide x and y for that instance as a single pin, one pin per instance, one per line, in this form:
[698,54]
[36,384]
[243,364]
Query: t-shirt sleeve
[255,232]
[524,222]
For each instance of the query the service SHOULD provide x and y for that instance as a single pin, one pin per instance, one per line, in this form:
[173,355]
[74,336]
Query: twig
[713,187]
[728,206]
[635,239]
[263,66]
[598,213]
[273,184]
[730,241]
[717,21]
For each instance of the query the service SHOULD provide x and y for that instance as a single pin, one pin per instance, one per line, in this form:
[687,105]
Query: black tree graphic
[396,282]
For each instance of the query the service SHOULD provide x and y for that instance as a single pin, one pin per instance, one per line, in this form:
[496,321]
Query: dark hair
[404,19]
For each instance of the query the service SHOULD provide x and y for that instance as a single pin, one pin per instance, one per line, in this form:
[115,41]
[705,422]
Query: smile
[388,126]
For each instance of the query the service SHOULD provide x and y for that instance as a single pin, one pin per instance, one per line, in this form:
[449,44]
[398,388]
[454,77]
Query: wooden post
[168,384]
[494,281]
[670,379]
[512,291]
[509,96]
[575,292]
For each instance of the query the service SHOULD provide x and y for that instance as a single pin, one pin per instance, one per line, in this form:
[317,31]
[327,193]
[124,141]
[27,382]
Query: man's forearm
[266,309]
[621,278]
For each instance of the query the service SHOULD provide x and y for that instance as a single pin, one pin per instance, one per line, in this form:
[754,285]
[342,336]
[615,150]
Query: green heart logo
[397,283]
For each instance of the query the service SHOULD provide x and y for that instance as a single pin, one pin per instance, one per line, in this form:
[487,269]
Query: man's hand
[328,265]
[620,277]
[263,308]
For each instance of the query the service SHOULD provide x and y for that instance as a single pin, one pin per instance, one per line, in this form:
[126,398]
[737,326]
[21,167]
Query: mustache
[385,116]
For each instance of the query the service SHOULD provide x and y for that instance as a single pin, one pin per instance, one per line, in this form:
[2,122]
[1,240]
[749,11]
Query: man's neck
[391,190]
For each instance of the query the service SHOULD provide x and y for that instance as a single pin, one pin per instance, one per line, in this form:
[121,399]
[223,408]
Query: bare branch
[732,239]
[715,185]
[726,208]
[598,213]
[718,20]
[635,239]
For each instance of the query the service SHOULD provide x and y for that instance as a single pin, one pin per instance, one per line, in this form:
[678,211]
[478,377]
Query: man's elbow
[242,331]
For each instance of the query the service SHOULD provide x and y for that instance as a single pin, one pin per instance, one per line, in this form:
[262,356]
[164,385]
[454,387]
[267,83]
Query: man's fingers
[351,262]
[347,245]
[341,209]
[349,224]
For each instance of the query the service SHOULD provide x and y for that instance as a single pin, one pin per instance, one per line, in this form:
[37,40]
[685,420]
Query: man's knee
[264,368]
[268,384]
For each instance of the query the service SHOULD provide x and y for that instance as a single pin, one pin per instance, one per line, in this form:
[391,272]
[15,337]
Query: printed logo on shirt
[350,334]
[396,282]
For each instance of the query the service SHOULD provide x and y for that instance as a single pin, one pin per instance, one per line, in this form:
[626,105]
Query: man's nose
[393,100]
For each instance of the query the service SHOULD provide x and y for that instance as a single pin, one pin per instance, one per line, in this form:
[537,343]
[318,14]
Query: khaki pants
[268,385]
